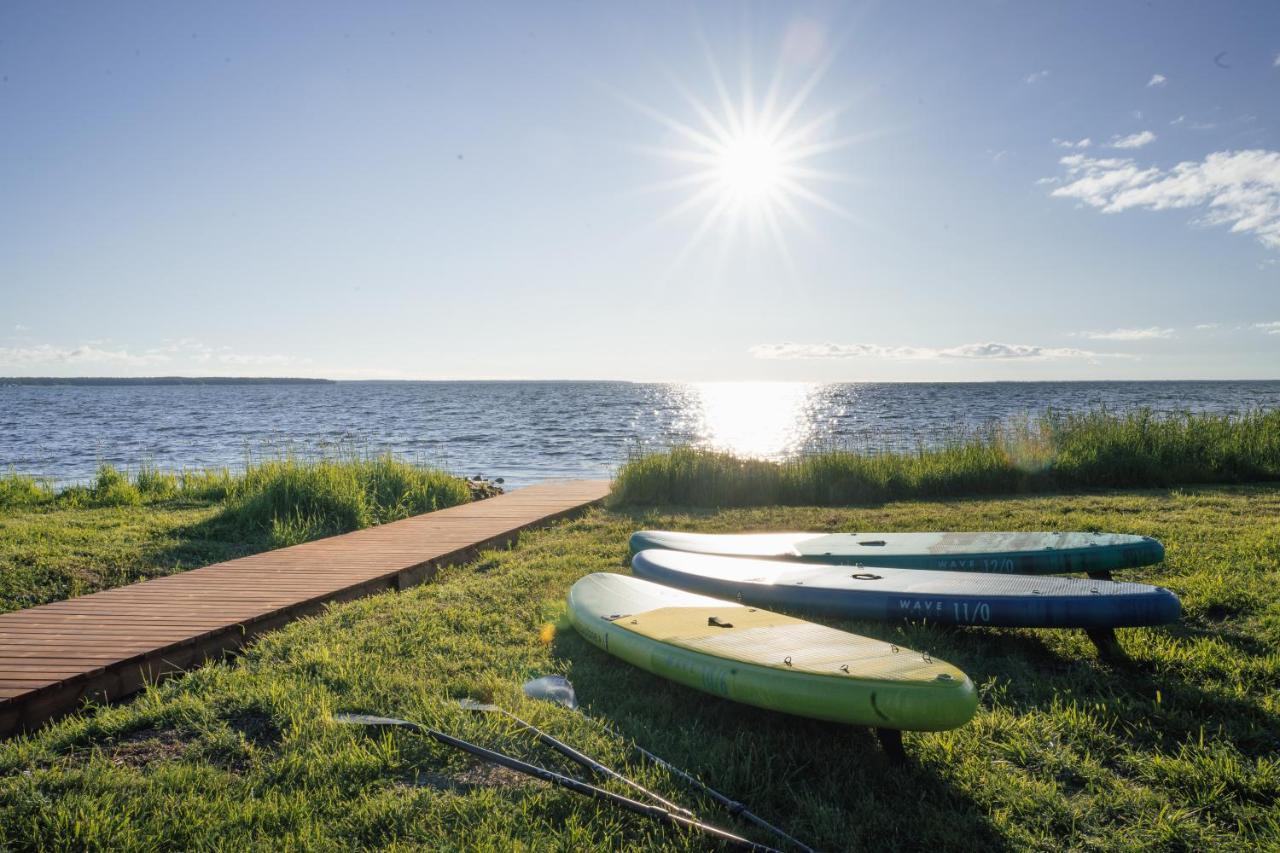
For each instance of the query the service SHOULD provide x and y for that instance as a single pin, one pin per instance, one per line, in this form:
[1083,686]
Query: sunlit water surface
[531,431]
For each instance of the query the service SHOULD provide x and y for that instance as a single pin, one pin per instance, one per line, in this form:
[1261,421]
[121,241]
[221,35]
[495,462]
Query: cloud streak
[964,352]
[1157,80]
[1133,140]
[1036,76]
[85,354]
[1183,121]
[181,352]
[1240,189]
[1147,334]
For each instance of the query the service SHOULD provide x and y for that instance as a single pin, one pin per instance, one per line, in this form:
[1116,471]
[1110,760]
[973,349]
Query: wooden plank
[106,645]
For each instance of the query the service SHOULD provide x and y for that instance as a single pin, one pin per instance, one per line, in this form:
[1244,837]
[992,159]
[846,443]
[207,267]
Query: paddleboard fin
[1109,648]
[891,743]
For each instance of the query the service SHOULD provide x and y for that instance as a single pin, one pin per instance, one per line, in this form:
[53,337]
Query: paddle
[574,755]
[654,812]
[558,689]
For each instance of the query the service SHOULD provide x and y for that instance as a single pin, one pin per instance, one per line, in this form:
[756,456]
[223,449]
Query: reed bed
[331,494]
[1053,452]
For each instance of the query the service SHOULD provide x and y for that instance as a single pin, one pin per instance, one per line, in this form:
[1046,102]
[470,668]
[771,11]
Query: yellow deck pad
[783,642]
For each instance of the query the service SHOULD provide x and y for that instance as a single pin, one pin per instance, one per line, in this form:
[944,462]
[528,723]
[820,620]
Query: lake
[531,431]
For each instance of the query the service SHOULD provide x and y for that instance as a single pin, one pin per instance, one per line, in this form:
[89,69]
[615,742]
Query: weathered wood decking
[109,644]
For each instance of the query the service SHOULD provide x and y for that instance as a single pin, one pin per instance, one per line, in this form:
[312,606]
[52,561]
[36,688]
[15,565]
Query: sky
[815,192]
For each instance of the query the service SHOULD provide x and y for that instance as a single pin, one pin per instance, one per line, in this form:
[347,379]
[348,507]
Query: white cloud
[1202,327]
[791,351]
[1270,328]
[1275,63]
[1149,333]
[1037,76]
[185,351]
[19,328]
[1236,188]
[1067,143]
[85,354]
[1157,80]
[1133,140]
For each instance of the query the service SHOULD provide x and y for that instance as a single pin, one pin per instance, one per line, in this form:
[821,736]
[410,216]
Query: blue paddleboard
[940,597]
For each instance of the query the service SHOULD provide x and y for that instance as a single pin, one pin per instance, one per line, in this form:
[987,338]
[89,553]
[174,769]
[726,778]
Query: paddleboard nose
[640,541]
[1145,553]
[953,700]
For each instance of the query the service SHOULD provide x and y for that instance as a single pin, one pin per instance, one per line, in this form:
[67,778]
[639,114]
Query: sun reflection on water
[766,420]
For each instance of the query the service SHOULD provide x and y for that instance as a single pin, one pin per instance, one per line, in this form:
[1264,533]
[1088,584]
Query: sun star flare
[749,164]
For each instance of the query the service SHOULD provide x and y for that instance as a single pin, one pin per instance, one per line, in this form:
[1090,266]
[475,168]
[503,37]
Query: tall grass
[1052,452]
[297,500]
[20,490]
[288,499]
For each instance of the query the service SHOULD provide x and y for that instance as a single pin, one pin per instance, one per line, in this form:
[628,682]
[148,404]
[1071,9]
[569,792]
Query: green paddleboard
[769,660]
[1005,553]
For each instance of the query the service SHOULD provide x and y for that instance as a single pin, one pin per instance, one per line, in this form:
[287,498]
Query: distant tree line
[158,380]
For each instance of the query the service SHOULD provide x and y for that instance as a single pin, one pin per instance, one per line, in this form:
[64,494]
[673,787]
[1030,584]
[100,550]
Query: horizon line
[173,379]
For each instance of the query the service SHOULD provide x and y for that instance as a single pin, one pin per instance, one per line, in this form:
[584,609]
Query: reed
[1053,452]
[20,490]
[297,500]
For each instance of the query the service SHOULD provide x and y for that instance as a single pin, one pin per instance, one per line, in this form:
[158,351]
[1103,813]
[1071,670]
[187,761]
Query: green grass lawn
[1178,751]
[53,552]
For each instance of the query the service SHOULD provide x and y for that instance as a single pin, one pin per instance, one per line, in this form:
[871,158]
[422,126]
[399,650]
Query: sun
[750,166]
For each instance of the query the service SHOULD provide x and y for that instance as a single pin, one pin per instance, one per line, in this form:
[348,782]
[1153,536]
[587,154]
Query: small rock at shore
[481,488]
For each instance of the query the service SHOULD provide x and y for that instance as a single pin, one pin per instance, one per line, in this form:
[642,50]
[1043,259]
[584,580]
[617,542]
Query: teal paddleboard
[1004,553]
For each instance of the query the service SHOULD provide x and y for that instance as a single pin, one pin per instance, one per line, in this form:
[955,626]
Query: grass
[1177,752]
[1053,453]
[118,529]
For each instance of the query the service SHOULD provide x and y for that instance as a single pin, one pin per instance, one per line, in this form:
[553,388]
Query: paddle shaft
[655,812]
[593,765]
[730,805]
[733,807]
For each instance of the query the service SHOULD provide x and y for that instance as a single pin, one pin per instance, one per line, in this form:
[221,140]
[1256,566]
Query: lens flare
[749,163]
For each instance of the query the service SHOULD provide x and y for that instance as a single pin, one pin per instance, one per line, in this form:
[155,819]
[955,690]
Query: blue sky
[508,191]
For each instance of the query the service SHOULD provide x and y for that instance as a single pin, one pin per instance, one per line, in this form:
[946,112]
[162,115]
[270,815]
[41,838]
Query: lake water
[531,431]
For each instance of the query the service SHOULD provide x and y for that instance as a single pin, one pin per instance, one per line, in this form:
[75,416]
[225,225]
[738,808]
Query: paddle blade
[470,704]
[371,720]
[553,688]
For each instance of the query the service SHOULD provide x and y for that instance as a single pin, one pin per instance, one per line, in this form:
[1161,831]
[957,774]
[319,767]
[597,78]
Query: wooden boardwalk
[109,644]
